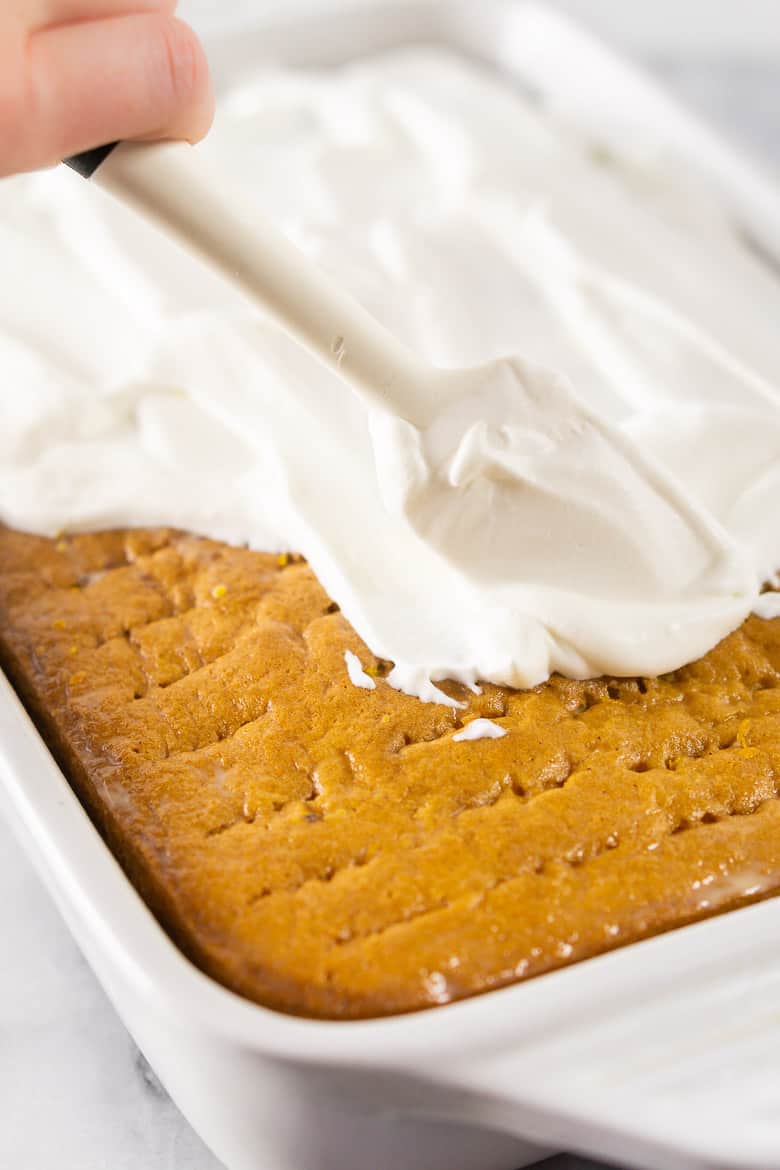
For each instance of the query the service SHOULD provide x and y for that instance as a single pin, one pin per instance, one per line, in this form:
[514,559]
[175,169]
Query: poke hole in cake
[329,850]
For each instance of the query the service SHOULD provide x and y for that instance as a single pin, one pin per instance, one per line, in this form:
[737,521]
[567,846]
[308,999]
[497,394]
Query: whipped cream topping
[767,606]
[479,729]
[143,390]
[358,676]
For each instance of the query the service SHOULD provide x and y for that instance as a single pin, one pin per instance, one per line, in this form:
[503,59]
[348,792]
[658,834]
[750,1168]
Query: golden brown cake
[330,850]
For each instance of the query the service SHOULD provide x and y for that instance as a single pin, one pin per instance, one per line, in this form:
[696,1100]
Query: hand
[80,73]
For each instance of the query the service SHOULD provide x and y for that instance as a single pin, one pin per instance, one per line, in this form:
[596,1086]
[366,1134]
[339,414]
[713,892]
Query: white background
[695,29]
[721,56]
[699,29]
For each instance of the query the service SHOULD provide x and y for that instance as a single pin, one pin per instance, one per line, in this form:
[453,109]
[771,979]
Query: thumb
[142,75]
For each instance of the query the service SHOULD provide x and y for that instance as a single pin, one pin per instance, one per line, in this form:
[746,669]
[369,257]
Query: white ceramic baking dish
[665,1054]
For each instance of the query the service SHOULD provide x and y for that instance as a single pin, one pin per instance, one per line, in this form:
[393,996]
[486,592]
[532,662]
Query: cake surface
[331,850]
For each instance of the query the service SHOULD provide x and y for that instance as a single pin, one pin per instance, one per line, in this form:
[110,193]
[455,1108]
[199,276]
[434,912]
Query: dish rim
[88,876]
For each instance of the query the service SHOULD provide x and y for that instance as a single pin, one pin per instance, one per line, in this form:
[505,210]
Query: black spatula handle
[88,161]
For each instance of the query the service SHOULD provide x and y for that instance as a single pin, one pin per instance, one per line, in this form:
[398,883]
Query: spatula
[499,467]
[172,183]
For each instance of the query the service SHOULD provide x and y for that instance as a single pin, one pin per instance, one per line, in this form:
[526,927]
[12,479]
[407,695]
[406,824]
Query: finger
[134,76]
[37,14]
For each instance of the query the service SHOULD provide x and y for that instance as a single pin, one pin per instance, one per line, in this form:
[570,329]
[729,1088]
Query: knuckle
[183,64]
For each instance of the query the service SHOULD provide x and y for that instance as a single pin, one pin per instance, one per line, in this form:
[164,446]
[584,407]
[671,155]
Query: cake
[331,850]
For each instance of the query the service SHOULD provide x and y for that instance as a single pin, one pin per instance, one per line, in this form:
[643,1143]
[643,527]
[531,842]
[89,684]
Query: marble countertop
[76,1093]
